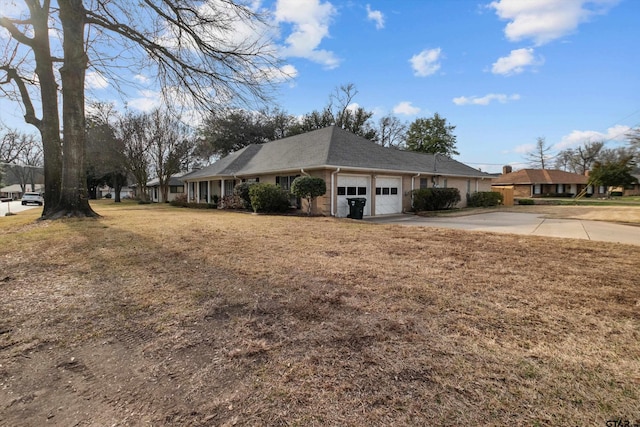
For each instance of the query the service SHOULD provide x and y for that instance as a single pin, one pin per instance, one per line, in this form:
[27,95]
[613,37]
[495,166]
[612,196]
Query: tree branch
[30,115]
[9,24]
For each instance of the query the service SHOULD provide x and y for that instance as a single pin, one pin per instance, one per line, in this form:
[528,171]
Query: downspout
[303,172]
[333,174]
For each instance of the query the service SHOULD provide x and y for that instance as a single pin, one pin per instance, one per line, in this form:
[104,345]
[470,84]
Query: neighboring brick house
[351,166]
[546,183]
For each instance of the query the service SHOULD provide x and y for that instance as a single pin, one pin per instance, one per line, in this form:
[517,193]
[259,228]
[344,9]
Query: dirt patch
[162,316]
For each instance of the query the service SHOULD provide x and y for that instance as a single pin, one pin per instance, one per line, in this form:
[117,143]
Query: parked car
[32,198]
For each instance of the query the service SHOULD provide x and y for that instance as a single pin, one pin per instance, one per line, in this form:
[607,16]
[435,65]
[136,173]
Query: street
[14,207]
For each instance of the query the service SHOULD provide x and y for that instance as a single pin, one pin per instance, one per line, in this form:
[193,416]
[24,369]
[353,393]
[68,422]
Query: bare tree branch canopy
[539,157]
[203,53]
[200,51]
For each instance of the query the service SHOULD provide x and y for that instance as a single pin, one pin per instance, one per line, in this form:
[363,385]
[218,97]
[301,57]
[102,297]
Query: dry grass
[164,316]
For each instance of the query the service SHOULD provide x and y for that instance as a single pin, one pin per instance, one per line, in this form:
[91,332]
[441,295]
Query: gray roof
[330,147]
[175,180]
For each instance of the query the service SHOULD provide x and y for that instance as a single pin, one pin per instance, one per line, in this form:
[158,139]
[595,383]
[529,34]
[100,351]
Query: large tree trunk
[73,197]
[49,126]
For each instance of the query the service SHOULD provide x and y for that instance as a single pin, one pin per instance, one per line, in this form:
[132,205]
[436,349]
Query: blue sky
[503,72]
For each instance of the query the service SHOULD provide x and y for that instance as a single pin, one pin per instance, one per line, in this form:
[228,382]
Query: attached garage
[388,195]
[353,186]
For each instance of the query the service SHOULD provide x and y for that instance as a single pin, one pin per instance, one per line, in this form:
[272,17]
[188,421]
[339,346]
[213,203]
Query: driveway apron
[524,223]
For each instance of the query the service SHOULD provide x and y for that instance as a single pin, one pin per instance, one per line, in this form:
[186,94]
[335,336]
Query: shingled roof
[330,147]
[540,176]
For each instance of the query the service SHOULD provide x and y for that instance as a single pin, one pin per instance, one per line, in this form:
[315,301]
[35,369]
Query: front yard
[155,315]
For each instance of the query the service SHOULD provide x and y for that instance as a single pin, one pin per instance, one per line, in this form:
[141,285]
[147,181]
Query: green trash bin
[356,207]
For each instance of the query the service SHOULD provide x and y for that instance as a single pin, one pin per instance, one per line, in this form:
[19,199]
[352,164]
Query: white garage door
[353,186]
[388,195]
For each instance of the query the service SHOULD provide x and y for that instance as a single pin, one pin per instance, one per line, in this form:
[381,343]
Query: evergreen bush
[435,199]
[268,198]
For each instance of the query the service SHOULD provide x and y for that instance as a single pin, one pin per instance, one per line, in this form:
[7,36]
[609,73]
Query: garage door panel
[388,195]
[353,186]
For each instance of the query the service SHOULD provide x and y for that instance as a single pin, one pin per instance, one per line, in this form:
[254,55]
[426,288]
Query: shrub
[232,201]
[484,199]
[308,187]
[242,190]
[526,202]
[180,200]
[268,198]
[435,199]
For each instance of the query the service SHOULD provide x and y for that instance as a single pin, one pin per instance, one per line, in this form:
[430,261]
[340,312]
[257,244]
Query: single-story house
[176,187]
[15,191]
[109,192]
[350,165]
[546,183]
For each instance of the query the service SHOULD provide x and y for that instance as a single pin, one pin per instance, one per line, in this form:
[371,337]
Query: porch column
[222,188]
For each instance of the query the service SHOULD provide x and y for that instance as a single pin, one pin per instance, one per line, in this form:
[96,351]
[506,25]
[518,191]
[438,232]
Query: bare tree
[29,163]
[539,157]
[391,131]
[12,144]
[170,145]
[579,160]
[193,48]
[21,153]
[133,131]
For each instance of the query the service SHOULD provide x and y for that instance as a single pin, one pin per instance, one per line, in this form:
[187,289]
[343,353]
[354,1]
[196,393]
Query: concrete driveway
[524,223]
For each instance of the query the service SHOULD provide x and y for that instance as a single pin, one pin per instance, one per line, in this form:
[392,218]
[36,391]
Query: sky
[503,72]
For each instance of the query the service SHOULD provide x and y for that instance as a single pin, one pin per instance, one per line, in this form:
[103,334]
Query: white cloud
[141,78]
[405,108]
[310,20]
[147,101]
[546,20]
[426,62]
[516,62]
[95,80]
[579,137]
[485,100]
[375,16]
[524,148]
[278,75]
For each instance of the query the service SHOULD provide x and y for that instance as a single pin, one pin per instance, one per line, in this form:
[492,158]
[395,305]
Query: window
[228,186]
[342,191]
[351,191]
[362,191]
[537,189]
[385,191]
[424,183]
[444,183]
[560,188]
[285,181]
[176,189]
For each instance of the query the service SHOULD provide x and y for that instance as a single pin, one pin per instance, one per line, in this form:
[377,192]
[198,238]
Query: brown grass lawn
[154,315]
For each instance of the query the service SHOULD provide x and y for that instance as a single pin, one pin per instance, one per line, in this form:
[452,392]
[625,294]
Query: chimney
[506,169]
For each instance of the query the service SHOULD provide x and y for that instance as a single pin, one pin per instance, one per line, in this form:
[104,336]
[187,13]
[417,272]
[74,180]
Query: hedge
[268,198]
[435,199]
[484,199]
